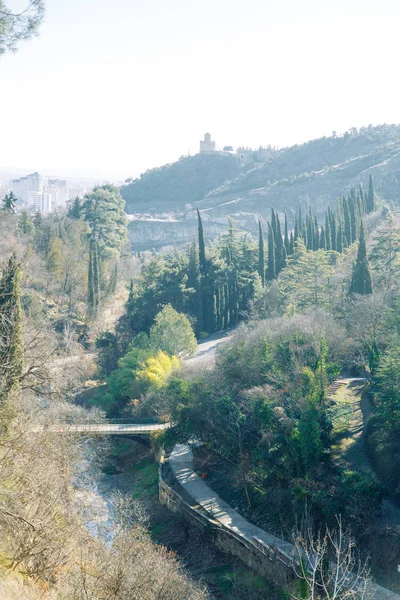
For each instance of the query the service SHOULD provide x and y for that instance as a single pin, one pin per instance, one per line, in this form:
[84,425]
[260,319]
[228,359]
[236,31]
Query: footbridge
[109,427]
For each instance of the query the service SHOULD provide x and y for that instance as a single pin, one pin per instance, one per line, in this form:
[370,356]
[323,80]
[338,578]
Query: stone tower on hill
[207,145]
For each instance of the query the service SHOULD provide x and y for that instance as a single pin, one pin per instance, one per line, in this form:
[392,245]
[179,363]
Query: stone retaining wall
[270,561]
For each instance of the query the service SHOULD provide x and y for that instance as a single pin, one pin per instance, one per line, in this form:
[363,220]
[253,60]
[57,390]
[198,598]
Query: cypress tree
[301,227]
[202,246]
[332,223]
[286,238]
[347,222]
[328,238]
[11,340]
[226,306]
[112,285]
[296,228]
[93,297]
[96,274]
[370,196]
[271,264]
[194,282]
[316,234]
[339,242]
[309,232]
[291,243]
[361,282]
[280,252]
[322,238]
[353,220]
[261,254]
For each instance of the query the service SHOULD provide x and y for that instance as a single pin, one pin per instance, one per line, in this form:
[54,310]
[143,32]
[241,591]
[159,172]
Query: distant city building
[24,186]
[207,145]
[58,190]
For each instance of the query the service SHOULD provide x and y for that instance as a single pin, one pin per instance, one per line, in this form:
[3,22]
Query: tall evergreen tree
[361,282]
[370,196]
[202,245]
[339,242]
[316,234]
[9,202]
[194,282]
[322,238]
[261,254]
[271,264]
[347,222]
[11,341]
[286,238]
[291,244]
[332,222]
[328,237]
[280,252]
[75,210]
[353,218]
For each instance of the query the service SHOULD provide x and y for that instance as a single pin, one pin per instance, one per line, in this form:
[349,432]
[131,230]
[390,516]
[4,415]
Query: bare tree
[329,566]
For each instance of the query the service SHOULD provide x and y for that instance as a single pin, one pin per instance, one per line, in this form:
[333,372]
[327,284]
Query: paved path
[205,355]
[181,461]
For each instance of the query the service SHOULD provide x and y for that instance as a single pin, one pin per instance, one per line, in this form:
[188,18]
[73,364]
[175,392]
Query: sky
[116,88]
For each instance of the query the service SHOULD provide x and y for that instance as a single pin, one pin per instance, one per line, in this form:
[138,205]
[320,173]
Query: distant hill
[311,174]
[177,186]
[314,174]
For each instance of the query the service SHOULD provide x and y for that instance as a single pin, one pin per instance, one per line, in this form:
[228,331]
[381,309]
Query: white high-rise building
[24,186]
[59,193]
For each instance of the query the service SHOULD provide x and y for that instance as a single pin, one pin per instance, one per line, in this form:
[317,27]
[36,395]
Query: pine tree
[261,254]
[75,210]
[361,282]
[9,202]
[271,264]
[370,196]
[11,341]
[25,224]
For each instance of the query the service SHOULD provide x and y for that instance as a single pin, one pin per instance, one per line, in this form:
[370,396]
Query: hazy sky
[126,85]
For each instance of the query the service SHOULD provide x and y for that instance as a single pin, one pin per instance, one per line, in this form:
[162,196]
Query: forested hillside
[177,187]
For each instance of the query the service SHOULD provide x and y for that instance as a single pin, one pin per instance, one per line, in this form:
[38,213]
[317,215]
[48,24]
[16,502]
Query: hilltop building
[207,145]
[248,156]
